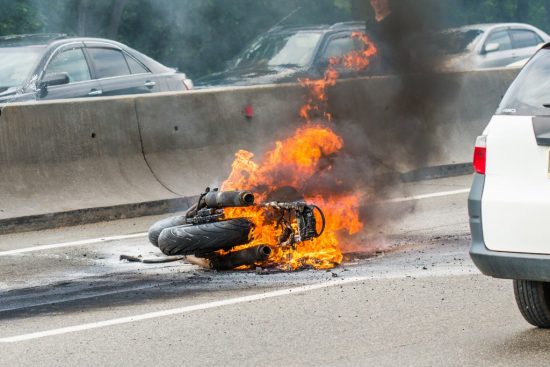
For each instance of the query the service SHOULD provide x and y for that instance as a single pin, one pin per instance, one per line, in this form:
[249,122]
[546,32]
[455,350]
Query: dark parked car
[41,67]
[285,54]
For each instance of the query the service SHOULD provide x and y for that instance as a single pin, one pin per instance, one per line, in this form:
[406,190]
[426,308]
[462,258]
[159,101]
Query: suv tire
[533,299]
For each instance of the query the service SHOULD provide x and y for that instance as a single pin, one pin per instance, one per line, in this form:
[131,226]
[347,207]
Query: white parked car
[518,64]
[483,46]
[509,203]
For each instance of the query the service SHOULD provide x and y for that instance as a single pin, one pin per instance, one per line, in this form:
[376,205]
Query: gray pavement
[409,296]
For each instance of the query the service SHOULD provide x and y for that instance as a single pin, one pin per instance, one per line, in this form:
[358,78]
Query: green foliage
[461,12]
[19,16]
[198,36]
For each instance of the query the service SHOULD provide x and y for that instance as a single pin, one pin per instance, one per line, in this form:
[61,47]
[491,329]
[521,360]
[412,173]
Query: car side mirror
[50,80]
[492,47]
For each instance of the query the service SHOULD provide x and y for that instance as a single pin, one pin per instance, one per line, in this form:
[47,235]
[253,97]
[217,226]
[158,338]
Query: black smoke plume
[396,132]
[399,114]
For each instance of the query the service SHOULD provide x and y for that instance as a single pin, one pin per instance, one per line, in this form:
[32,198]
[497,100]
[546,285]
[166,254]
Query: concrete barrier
[63,156]
[190,140]
[66,156]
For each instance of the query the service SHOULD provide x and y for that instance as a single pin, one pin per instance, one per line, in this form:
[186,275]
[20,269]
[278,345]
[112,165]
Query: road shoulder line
[72,244]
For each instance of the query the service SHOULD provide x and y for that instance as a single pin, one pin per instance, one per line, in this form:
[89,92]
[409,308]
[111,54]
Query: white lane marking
[436,272]
[180,310]
[427,196]
[123,237]
[72,244]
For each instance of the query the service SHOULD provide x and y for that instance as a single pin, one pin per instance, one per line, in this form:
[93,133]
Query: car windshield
[528,95]
[16,63]
[457,41]
[288,49]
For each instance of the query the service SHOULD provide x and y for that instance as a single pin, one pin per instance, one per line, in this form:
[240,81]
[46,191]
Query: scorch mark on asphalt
[446,271]
[176,311]
[138,235]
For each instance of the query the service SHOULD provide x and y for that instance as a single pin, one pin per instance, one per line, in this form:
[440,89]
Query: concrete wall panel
[190,139]
[62,156]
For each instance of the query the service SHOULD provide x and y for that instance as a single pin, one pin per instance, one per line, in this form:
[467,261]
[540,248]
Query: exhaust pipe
[225,199]
[235,259]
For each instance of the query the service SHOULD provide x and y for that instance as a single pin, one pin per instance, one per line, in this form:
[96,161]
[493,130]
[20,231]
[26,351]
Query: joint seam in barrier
[145,156]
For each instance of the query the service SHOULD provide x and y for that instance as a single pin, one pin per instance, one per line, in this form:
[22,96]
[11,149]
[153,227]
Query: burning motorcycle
[204,232]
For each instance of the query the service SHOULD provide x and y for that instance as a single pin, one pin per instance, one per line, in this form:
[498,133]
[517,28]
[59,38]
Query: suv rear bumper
[505,265]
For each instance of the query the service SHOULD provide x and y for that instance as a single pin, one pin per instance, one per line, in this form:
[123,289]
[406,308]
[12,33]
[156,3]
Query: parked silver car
[483,46]
[53,66]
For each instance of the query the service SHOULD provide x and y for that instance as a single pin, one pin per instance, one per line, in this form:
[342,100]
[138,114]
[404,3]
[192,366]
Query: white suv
[509,203]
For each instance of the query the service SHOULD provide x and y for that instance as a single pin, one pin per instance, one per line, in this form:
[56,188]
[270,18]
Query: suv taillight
[480,154]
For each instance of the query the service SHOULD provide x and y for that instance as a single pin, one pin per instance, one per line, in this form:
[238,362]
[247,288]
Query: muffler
[248,256]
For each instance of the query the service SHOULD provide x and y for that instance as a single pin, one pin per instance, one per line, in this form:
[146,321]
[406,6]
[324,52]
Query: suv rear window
[528,94]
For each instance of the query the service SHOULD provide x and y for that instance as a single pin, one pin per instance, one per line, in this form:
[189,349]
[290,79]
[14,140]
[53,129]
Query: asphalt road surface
[410,296]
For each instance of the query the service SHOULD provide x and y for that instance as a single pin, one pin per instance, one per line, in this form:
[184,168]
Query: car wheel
[533,299]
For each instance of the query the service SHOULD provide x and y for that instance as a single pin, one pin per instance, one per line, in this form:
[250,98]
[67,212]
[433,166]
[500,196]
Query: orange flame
[297,162]
[356,60]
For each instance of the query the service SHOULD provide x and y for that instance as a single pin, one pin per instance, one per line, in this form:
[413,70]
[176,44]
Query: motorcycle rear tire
[156,229]
[206,238]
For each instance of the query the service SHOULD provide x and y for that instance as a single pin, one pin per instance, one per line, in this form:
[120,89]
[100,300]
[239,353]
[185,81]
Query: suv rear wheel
[533,299]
